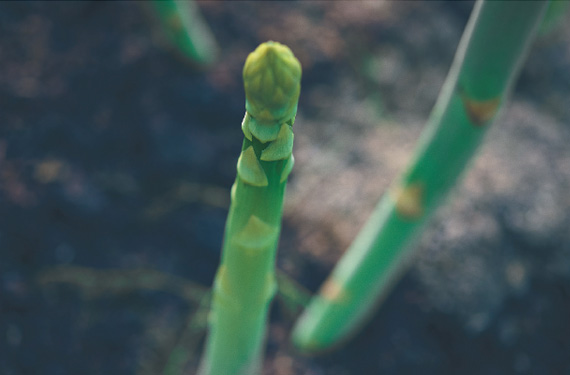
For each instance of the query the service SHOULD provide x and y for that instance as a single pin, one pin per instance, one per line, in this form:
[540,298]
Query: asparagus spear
[184,26]
[553,16]
[487,61]
[245,282]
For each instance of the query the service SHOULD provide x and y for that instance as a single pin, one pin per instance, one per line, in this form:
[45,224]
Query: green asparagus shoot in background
[245,282]
[487,61]
[186,30]
[554,15]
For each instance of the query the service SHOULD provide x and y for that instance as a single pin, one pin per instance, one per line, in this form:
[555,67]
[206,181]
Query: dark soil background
[115,153]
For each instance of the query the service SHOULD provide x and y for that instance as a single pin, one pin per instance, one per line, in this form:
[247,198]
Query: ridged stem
[487,61]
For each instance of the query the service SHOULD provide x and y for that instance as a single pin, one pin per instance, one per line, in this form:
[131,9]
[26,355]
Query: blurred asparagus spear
[187,30]
[245,282]
[487,61]
[555,13]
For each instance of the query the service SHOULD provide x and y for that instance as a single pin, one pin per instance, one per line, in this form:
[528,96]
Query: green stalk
[245,282]
[487,61]
[186,29]
[554,16]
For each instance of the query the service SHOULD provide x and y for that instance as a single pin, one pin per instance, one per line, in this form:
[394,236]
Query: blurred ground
[117,154]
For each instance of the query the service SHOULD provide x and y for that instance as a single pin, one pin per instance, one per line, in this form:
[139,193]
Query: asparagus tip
[272,81]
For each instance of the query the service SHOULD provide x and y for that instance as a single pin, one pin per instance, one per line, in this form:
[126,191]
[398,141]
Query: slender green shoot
[187,30]
[94,283]
[245,282]
[487,61]
[555,13]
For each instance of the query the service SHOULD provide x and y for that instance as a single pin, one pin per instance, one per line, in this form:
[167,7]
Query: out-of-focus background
[117,156]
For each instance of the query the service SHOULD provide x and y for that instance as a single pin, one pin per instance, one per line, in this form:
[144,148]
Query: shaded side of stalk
[245,282]
[487,61]
[186,29]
